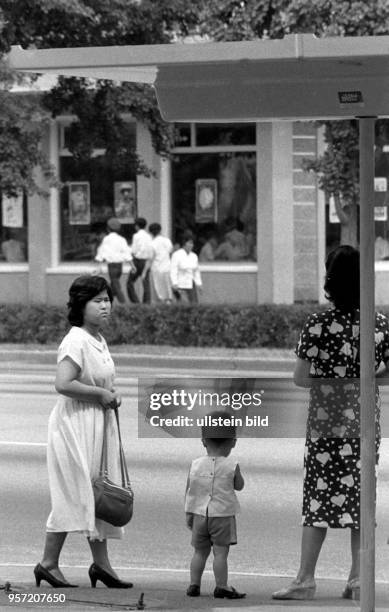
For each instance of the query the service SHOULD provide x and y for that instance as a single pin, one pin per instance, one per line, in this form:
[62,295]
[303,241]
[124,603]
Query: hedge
[233,326]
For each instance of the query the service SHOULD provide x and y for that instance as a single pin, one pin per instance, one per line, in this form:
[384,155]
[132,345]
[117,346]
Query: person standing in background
[115,251]
[185,273]
[142,252]
[160,264]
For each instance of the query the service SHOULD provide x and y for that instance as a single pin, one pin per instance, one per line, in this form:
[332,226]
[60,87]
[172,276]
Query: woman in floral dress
[328,362]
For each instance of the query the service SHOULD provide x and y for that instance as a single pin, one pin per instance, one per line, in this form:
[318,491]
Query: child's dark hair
[222,431]
[82,290]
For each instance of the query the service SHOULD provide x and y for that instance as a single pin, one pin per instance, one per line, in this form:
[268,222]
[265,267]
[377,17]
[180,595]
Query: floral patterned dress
[330,342]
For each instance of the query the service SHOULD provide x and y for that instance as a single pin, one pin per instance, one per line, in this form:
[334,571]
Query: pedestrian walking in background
[85,382]
[185,273]
[211,505]
[160,264]
[142,253]
[328,362]
[115,250]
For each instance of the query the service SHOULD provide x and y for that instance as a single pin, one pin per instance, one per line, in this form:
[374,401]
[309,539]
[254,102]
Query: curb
[146,360]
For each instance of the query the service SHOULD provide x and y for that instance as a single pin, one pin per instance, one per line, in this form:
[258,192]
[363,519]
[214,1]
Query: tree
[98,107]
[22,117]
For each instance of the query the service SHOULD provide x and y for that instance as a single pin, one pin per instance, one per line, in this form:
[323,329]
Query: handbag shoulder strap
[104,455]
[123,466]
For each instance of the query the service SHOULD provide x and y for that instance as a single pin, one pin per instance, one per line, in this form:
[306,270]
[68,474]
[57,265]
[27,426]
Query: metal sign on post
[300,77]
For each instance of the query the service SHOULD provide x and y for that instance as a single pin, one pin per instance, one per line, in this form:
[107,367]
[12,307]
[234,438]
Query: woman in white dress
[85,382]
[160,264]
[184,272]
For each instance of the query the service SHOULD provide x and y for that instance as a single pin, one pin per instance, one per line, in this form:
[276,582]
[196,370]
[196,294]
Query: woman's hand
[109,399]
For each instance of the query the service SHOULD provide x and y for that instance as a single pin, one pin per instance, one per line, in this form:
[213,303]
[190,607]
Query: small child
[211,505]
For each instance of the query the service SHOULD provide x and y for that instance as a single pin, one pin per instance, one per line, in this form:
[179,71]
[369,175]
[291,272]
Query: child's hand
[189,520]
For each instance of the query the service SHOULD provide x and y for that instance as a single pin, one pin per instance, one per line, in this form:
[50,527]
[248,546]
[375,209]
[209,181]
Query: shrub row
[233,326]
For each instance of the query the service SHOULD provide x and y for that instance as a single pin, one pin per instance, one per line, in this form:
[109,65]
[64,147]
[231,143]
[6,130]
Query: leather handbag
[114,503]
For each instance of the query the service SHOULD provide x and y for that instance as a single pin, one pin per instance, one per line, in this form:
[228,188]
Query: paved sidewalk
[165,590]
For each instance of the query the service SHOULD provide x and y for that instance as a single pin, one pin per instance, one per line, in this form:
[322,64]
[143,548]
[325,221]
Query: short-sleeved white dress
[75,439]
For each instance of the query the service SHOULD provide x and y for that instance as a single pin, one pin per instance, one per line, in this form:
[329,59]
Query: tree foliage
[98,106]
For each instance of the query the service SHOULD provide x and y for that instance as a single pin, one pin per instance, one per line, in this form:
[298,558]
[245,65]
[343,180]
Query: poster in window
[125,201]
[79,203]
[12,211]
[380,213]
[206,201]
[380,191]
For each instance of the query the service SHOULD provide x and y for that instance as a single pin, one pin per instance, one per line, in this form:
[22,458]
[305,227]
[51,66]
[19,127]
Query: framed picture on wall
[79,203]
[12,211]
[125,201]
[206,201]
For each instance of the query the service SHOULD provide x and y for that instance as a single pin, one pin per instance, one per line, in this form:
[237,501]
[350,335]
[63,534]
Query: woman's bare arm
[67,384]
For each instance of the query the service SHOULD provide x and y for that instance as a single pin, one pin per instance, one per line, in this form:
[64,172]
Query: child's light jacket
[211,487]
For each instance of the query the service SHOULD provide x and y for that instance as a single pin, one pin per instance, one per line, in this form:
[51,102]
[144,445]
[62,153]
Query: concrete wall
[148,188]
[229,287]
[218,287]
[13,287]
[305,199]
[275,213]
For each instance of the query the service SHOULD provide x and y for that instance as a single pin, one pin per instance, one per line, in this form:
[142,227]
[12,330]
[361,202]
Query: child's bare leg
[197,564]
[220,566]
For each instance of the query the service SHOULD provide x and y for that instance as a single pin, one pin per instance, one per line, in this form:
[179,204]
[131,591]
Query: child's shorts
[208,530]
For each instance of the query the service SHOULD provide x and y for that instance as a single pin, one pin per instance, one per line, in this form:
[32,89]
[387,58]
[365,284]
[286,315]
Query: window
[214,192]
[225,134]
[381,201]
[92,192]
[13,229]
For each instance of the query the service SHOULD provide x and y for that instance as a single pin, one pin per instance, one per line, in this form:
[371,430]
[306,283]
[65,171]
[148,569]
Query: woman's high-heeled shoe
[41,573]
[297,590]
[98,573]
[352,589]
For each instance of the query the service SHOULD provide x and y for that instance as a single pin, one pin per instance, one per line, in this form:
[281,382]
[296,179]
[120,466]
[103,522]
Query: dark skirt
[331,496]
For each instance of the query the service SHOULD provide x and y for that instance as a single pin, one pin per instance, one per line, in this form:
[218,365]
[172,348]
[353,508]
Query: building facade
[260,222]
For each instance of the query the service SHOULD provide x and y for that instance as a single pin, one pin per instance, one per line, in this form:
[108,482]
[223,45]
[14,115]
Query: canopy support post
[367,362]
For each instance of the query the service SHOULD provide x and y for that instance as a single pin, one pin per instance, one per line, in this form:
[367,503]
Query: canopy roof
[298,77]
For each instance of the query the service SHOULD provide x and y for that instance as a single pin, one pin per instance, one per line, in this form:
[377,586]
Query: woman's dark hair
[341,284]
[82,290]
[187,235]
[140,222]
[155,229]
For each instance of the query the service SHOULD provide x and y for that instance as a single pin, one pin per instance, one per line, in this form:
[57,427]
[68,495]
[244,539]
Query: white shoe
[297,590]
[352,589]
